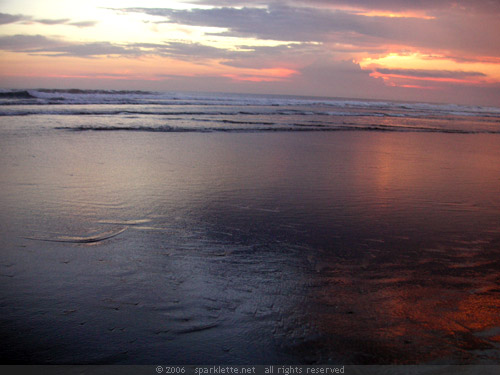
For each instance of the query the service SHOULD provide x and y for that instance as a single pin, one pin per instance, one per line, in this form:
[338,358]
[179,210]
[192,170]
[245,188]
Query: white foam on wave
[44,96]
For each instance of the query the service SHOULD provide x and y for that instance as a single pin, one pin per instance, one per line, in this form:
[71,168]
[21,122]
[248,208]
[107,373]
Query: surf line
[91,239]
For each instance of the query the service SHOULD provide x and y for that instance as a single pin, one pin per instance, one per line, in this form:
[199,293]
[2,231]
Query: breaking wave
[124,110]
[78,96]
[274,128]
[16,95]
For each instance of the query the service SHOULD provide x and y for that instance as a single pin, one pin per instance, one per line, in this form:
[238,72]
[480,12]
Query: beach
[248,230]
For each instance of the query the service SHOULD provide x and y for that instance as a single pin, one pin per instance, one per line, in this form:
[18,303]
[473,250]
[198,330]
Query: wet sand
[195,248]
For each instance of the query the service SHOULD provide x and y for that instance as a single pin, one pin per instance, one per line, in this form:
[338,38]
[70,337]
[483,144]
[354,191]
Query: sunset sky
[427,50]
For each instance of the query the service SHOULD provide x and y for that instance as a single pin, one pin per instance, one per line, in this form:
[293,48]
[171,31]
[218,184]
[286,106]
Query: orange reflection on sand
[401,300]
[381,317]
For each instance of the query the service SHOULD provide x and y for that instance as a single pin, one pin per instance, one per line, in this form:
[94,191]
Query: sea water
[148,228]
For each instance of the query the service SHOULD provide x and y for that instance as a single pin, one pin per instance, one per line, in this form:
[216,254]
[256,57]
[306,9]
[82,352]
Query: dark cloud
[12,18]
[481,6]
[26,43]
[187,51]
[53,21]
[41,45]
[452,31]
[66,21]
[276,23]
[87,50]
[83,23]
[243,56]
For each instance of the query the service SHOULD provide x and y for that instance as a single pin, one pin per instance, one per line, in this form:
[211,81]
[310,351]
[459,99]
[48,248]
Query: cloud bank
[21,18]
[392,48]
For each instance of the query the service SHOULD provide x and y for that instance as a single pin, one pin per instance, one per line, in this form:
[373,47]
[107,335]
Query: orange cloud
[150,68]
[414,69]
[388,76]
[380,13]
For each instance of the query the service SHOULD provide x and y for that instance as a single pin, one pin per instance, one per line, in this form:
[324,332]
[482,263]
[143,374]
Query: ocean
[190,112]
[200,228]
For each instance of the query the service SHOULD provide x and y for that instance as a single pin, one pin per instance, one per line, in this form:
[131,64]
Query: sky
[427,50]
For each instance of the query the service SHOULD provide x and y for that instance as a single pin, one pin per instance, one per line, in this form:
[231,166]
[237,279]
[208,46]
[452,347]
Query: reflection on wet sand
[407,307]
[251,248]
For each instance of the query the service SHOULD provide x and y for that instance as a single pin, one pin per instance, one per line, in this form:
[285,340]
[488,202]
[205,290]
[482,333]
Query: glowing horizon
[442,53]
